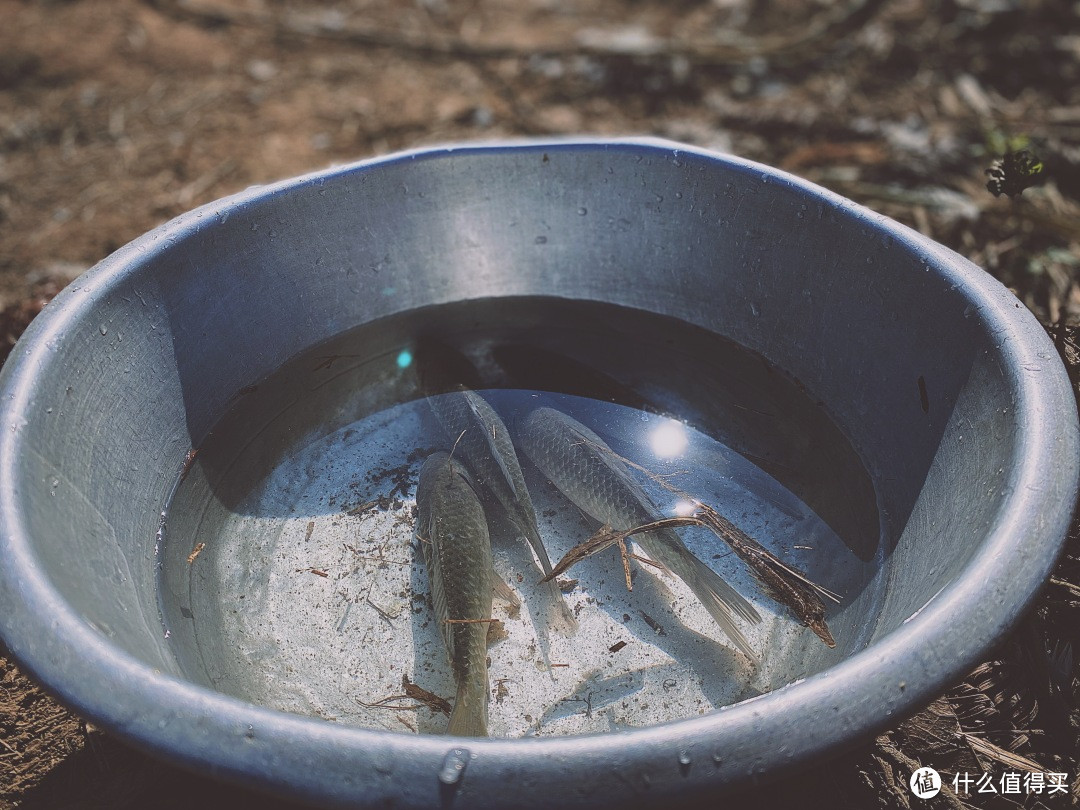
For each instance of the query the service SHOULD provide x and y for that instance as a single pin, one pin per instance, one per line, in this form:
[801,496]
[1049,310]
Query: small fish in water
[457,550]
[590,475]
[480,439]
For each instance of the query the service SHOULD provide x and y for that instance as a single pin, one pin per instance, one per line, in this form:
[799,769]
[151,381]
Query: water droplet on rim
[453,766]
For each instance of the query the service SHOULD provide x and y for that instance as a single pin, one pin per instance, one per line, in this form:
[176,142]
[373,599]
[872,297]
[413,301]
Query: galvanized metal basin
[946,389]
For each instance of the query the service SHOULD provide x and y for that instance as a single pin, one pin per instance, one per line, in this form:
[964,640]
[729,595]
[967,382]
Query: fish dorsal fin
[485,415]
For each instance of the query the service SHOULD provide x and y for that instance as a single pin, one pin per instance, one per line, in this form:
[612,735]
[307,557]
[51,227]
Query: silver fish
[483,443]
[591,475]
[457,550]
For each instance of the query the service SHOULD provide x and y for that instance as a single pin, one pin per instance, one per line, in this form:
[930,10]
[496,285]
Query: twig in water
[458,439]
[653,623]
[384,703]
[189,462]
[608,537]
[382,613]
[429,699]
[784,584]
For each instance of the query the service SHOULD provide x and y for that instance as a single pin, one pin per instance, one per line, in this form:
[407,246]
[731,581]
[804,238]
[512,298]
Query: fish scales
[592,477]
[457,551]
[481,440]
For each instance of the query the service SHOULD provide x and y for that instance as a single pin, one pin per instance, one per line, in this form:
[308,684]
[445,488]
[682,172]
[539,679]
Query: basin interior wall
[243,287]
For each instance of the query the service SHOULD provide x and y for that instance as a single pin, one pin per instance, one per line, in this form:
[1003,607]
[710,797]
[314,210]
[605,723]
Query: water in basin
[290,574]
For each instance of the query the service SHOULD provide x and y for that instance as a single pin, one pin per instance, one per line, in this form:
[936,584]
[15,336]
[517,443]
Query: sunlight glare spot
[668,439]
[684,508]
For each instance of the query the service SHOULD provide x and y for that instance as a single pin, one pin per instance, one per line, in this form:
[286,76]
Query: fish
[597,481]
[481,440]
[453,532]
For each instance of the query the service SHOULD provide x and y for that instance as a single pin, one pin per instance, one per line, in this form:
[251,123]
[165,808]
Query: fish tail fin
[722,600]
[469,717]
[559,613]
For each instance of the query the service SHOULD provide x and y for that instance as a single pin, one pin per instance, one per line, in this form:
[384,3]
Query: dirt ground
[118,115]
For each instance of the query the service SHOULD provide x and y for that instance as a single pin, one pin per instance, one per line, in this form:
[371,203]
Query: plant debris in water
[781,582]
